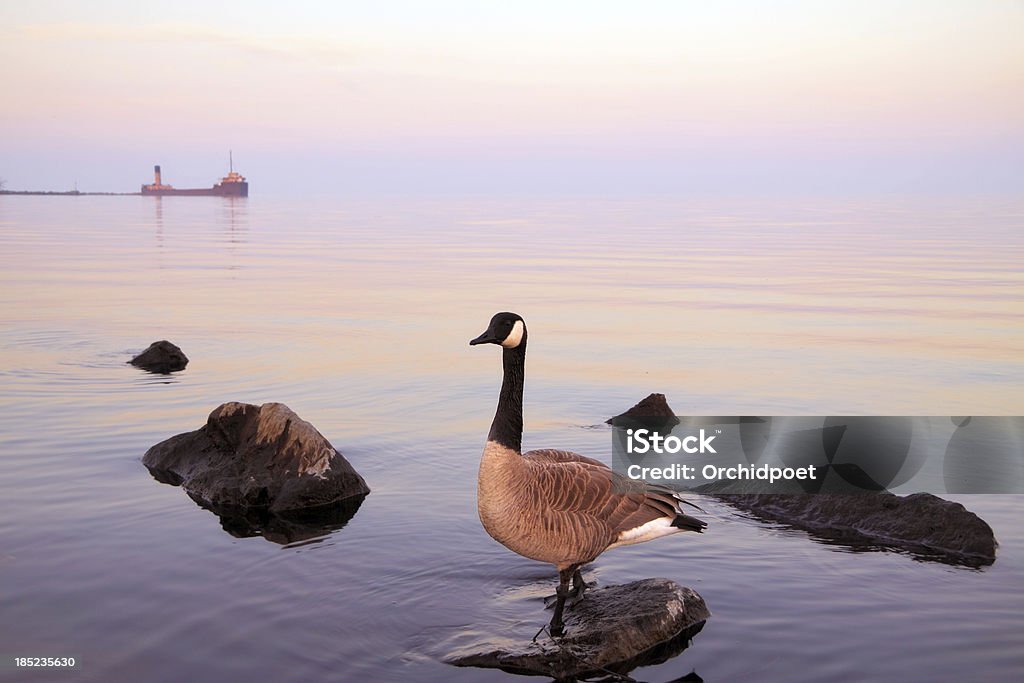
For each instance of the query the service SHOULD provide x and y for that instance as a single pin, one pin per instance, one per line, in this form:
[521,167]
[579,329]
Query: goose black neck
[507,427]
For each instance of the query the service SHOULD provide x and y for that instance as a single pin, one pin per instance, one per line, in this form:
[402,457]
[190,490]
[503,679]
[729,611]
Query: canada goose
[558,506]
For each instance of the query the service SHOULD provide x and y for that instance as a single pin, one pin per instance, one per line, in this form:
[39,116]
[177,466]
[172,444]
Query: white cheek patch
[515,336]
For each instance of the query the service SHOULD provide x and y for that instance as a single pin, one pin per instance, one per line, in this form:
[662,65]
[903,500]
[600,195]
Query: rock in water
[611,629]
[250,456]
[162,357]
[923,524]
[652,412]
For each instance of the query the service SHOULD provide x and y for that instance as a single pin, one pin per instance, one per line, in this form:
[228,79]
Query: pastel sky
[535,97]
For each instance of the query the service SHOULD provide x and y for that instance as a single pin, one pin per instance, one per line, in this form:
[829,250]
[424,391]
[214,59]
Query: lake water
[358,316]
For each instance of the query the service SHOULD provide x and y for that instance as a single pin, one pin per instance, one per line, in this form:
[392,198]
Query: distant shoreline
[71,193]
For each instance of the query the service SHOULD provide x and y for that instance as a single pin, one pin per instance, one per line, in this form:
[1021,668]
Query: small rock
[249,456]
[921,523]
[652,412]
[161,357]
[612,629]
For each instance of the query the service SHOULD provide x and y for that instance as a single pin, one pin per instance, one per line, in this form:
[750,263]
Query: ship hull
[218,190]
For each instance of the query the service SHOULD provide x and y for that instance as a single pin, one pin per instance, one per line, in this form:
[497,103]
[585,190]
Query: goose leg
[557,626]
[579,586]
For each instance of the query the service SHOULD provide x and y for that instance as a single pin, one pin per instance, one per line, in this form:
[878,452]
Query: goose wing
[600,506]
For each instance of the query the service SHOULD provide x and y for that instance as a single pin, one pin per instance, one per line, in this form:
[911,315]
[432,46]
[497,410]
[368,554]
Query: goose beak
[485,338]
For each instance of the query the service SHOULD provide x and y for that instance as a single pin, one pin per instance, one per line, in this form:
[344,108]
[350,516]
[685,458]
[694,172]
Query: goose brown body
[564,508]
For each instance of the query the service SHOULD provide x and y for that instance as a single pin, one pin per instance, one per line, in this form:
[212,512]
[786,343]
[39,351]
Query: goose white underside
[656,528]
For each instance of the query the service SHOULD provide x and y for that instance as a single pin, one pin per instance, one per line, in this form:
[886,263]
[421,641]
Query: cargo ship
[231,185]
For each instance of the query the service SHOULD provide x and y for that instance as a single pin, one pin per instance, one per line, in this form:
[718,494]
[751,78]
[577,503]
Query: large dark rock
[613,629]
[263,457]
[162,357]
[923,524]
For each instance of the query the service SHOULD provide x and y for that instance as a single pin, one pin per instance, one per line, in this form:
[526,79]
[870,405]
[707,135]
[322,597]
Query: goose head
[505,329]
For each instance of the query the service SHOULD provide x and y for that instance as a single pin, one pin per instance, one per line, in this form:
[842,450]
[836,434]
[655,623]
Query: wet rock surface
[256,457]
[613,629]
[653,412]
[929,527]
[161,357]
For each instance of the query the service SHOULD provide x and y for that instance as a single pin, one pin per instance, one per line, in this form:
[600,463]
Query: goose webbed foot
[556,630]
[574,595]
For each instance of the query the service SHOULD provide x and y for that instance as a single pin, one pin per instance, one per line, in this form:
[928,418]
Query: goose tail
[682,520]
[687,523]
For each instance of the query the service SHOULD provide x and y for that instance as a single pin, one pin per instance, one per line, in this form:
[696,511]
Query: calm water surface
[357,315]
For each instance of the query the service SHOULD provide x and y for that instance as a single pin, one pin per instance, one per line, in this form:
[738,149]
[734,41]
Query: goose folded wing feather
[594,491]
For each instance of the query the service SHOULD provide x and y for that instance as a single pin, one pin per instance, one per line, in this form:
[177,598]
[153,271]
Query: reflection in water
[853,541]
[658,654]
[283,528]
[565,660]
[236,218]
[664,652]
[159,209]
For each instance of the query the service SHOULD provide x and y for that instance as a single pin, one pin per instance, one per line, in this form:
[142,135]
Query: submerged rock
[613,629]
[162,357]
[652,412]
[248,456]
[923,524]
